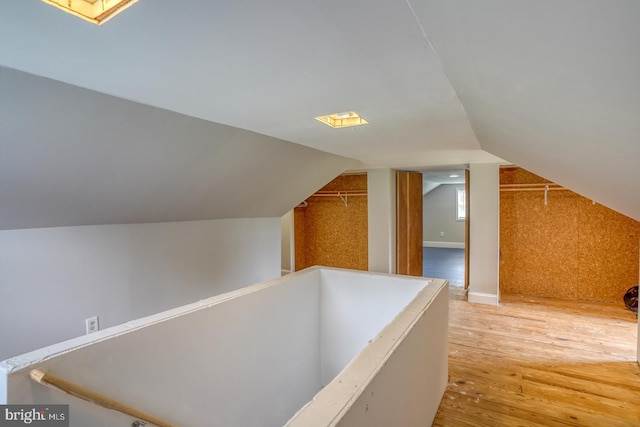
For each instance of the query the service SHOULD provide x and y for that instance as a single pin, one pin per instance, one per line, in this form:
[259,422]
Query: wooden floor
[541,362]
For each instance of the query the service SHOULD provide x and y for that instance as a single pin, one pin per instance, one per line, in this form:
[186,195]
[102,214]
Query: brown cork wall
[329,232]
[570,248]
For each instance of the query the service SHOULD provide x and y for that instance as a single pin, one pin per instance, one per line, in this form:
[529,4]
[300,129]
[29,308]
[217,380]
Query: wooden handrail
[83,393]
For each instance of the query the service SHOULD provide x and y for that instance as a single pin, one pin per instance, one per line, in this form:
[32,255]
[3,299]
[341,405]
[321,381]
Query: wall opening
[331,226]
[444,225]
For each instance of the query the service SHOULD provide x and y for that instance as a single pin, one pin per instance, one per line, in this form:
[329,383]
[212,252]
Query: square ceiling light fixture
[96,11]
[342,120]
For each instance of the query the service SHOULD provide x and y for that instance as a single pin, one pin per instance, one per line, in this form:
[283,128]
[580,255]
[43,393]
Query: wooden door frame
[409,223]
[467,227]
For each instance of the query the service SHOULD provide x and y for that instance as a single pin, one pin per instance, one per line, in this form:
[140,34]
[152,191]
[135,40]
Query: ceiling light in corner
[342,120]
[96,11]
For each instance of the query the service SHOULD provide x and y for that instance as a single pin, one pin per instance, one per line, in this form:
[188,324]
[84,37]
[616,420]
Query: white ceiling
[269,67]
[433,177]
[553,86]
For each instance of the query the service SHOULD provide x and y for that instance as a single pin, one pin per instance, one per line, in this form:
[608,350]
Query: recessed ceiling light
[96,11]
[342,120]
[454,176]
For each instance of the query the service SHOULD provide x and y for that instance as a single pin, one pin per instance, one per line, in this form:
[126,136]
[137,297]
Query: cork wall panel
[332,233]
[515,175]
[534,242]
[608,252]
[356,182]
[569,248]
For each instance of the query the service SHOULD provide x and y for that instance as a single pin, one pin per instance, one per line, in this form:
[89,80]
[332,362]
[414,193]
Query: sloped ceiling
[71,156]
[550,86]
[268,67]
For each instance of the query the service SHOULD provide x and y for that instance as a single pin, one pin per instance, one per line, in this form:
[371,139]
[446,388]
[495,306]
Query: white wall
[287,243]
[354,309]
[254,356]
[249,358]
[381,200]
[484,233]
[399,378]
[439,215]
[409,387]
[51,279]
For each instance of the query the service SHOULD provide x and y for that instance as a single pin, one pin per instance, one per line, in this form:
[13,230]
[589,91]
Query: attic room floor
[541,362]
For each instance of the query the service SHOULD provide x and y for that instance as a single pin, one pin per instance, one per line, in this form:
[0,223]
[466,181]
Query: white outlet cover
[92,324]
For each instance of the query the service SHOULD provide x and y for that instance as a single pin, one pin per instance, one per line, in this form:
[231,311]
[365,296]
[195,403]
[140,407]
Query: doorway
[445,199]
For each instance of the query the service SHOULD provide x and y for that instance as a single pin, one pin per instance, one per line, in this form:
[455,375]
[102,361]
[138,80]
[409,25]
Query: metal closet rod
[339,193]
[343,195]
[531,187]
[545,186]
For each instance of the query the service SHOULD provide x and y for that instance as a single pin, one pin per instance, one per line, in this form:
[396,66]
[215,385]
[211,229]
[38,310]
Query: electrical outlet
[442,234]
[92,324]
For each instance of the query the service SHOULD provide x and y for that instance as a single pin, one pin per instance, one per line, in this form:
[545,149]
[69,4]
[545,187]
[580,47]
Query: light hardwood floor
[541,362]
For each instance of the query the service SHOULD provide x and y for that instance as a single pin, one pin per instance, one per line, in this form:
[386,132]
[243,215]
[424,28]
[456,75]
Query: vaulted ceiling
[205,109]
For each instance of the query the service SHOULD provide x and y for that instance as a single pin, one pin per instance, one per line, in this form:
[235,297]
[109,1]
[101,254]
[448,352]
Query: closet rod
[336,193]
[533,184]
[534,189]
[531,187]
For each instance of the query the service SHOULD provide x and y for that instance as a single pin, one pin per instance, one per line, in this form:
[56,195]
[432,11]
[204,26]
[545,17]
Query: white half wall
[255,356]
[407,389]
[484,233]
[381,189]
[399,377]
[352,314]
[247,358]
[52,279]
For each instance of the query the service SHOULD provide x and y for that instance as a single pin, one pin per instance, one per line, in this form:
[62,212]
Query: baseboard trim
[452,245]
[482,298]
[284,272]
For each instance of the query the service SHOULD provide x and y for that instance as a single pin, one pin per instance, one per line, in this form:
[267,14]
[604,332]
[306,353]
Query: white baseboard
[453,245]
[481,298]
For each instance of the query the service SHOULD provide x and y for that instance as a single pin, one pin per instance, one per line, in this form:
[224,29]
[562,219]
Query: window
[461,204]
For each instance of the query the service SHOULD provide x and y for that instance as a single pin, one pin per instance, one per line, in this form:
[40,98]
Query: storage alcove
[569,247]
[332,230]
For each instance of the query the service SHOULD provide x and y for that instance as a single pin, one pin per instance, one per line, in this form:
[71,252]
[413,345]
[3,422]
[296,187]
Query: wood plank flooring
[541,362]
